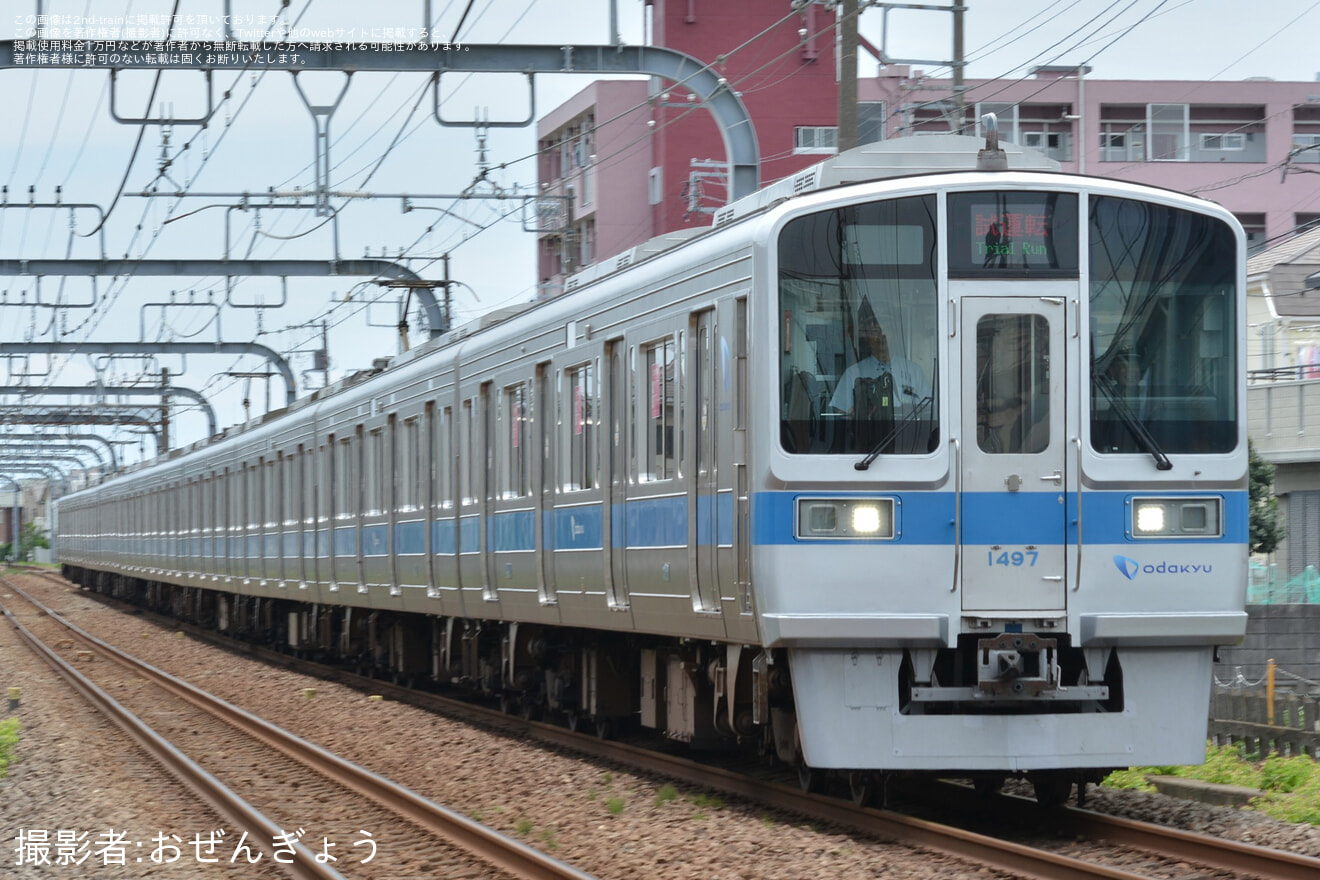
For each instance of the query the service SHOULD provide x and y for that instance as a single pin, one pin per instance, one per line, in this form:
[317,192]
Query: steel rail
[485,843]
[1214,853]
[188,772]
[1211,852]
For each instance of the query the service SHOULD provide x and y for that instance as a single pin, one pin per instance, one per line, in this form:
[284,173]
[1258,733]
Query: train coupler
[1017,665]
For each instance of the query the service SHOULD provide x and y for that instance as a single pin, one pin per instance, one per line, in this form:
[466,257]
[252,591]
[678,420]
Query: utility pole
[846,136]
[959,89]
[325,352]
[164,409]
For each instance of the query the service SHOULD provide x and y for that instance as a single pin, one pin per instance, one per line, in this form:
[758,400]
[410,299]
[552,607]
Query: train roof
[900,157]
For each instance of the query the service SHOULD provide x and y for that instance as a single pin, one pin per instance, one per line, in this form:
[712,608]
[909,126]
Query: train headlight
[1149,518]
[1176,518]
[835,518]
[866,519]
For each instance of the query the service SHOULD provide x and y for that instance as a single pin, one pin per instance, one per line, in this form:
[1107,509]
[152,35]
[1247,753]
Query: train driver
[910,384]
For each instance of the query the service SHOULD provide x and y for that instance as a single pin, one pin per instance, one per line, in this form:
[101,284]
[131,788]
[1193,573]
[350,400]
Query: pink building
[1241,144]
[637,159]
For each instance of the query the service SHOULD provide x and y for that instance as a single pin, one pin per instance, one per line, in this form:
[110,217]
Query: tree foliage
[1267,529]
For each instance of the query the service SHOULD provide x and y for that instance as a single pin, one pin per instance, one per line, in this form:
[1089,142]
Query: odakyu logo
[1130,567]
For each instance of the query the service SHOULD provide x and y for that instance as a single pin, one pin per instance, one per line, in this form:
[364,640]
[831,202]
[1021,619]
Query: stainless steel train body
[1013,549]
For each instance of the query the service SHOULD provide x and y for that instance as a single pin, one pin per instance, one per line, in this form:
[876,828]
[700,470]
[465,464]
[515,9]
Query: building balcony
[1283,418]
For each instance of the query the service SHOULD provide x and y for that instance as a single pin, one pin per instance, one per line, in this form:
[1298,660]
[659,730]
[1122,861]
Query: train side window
[307,483]
[444,459]
[323,468]
[289,465]
[513,418]
[467,466]
[345,494]
[580,429]
[373,481]
[274,497]
[409,490]
[662,413]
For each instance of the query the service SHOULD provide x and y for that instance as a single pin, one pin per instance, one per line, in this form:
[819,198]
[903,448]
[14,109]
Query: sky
[60,133]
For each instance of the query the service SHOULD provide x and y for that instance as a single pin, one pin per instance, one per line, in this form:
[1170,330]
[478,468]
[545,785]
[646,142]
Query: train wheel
[529,710]
[508,704]
[1052,788]
[867,789]
[575,722]
[812,780]
[604,728]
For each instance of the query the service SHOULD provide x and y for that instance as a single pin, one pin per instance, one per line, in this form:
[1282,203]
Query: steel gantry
[89,348]
[68,438]
[104,414]
[161,391]
[711,90]
[435,315]
[69,451]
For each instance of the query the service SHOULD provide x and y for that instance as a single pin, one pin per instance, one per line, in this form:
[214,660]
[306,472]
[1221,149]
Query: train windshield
[857,335]
[1164,358]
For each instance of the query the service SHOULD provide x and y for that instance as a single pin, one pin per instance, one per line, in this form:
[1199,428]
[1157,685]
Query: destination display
[1012,234]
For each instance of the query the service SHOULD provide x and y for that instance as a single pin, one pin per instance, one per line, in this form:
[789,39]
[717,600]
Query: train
[931,458]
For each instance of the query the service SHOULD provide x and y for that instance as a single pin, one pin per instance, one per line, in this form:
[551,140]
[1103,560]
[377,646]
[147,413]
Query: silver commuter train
[882,472]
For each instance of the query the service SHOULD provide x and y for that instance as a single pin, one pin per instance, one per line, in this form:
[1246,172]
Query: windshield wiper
[898,426]
[1136,427]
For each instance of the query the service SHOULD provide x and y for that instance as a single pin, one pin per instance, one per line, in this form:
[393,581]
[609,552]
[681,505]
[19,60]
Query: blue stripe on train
[922,518]
[995,517]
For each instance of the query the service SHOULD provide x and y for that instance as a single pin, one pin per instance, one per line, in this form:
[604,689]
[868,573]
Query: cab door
[1013,498]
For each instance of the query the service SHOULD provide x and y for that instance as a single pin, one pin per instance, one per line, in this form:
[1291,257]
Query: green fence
[1265,587]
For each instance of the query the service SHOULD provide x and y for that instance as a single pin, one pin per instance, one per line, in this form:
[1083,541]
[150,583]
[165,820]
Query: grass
[614,805]
[1290,787]
[8,743]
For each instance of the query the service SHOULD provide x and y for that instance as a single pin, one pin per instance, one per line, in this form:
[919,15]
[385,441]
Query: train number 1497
[1013,558]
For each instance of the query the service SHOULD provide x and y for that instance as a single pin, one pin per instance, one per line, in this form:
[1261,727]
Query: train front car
[1001,522]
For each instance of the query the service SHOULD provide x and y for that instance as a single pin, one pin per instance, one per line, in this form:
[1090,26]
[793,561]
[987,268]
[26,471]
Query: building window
[1168,126]
[654,185]
[1122,142]
[1235,141]
[1006,116]
[1254,226]
[815,139]
[870,122]
[1055,144]
[1306,148]
[586,243]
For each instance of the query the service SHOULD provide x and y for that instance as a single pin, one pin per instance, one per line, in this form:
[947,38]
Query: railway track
[1166,847]
[267,772]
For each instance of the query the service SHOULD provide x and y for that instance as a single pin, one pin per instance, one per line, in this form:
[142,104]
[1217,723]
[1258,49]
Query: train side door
[703,480]
[615,444]
[1013,510]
